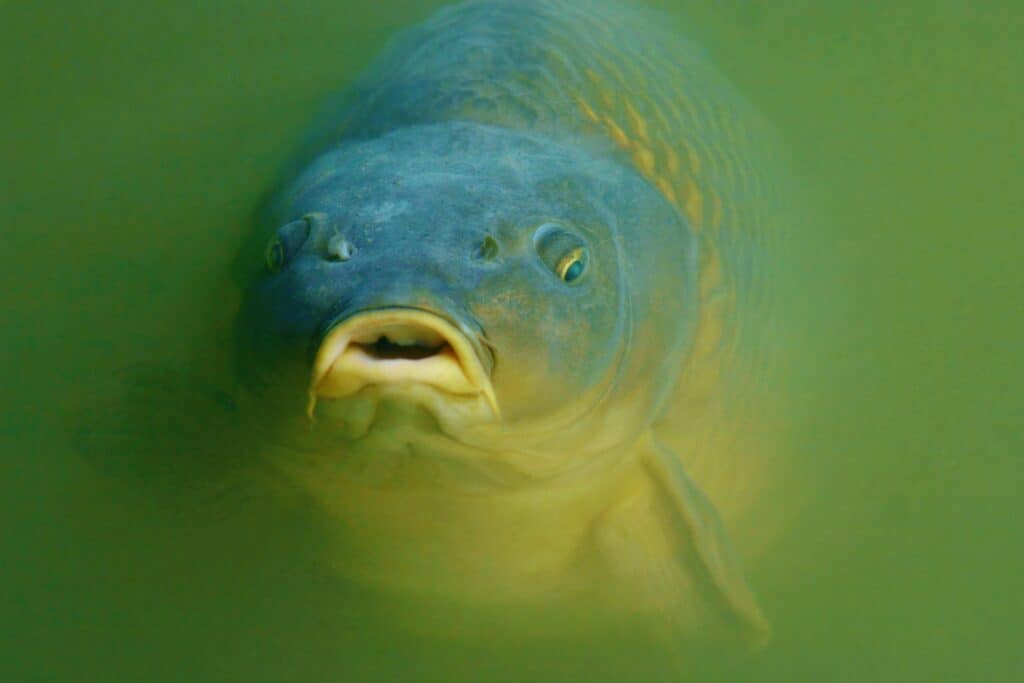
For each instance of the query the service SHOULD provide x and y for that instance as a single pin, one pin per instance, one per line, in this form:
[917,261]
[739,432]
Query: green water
[137,138]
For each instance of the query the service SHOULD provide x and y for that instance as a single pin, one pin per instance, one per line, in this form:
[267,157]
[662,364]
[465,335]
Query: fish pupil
[574,271]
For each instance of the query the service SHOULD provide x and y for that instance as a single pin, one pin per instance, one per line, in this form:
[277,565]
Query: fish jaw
[406,350]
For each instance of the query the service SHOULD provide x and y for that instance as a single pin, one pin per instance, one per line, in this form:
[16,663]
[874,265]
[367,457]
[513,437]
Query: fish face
[470,278]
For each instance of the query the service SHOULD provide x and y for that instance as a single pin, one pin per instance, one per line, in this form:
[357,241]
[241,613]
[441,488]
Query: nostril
[340,249]
[487,250]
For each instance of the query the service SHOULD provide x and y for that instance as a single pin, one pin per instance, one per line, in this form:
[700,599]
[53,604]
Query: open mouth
[406,344]
[398,346]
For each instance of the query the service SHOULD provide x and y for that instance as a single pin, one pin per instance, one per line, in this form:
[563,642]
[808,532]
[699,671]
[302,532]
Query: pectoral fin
[697,518]
[669,554]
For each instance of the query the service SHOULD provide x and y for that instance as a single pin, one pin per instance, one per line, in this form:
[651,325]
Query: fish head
[506,294]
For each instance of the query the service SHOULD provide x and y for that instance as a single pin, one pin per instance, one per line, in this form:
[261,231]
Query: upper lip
[420,345]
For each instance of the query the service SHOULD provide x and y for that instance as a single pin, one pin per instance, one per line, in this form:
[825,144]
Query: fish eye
[571,266]
[563,251]
[288,240]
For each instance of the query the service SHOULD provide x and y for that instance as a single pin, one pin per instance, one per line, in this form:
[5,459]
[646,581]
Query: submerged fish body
[519,285]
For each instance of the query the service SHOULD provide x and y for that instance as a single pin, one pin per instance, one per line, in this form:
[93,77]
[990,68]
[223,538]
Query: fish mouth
[398,346]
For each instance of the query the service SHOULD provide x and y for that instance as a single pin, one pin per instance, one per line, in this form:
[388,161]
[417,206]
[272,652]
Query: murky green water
[137,138]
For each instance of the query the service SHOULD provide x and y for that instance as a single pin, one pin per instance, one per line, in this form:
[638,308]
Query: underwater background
[137,139]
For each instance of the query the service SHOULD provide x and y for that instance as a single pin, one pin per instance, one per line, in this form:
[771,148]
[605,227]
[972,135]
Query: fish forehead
[461,181]
[430,151]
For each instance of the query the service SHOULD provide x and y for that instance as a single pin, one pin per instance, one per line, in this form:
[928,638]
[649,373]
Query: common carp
[516,313]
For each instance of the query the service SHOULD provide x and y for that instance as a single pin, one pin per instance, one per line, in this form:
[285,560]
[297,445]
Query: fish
[510,318]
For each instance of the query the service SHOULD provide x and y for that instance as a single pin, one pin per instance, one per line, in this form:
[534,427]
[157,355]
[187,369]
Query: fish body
[517,312]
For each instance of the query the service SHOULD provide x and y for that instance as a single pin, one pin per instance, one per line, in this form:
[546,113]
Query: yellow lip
[394,346]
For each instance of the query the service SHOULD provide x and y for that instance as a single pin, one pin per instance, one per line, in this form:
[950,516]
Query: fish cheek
[520,340]
[515,323]
[544,347]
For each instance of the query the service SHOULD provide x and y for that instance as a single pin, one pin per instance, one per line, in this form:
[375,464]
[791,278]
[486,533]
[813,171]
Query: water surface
[137,140]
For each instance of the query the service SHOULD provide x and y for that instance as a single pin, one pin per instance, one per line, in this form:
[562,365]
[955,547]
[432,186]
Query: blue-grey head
[472,286]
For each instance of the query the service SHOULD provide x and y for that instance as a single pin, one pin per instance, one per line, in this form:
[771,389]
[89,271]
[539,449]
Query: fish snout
[399,347]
